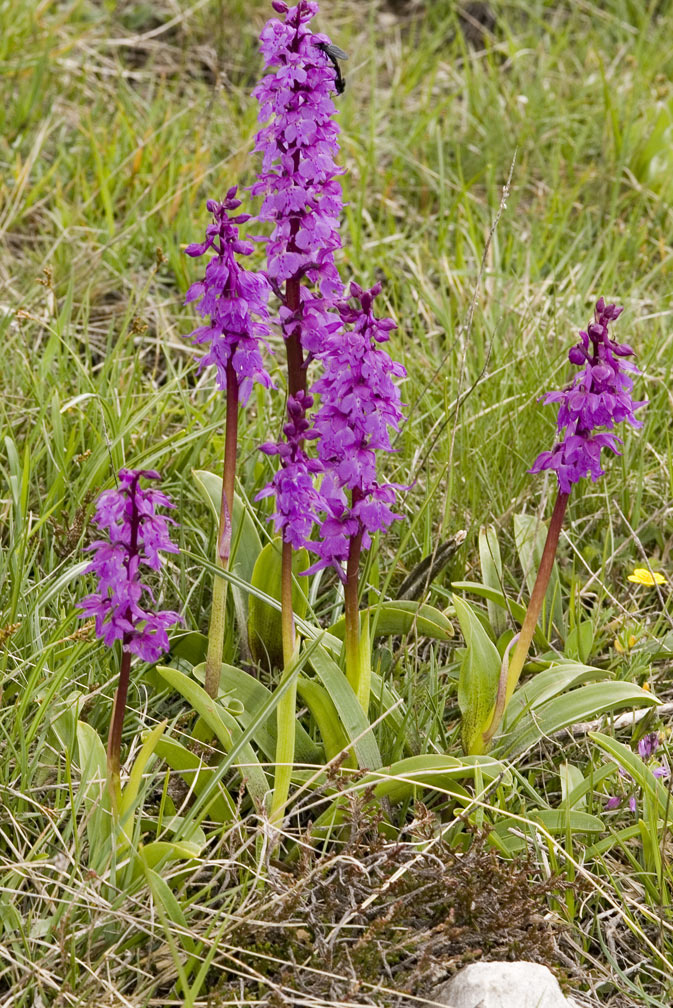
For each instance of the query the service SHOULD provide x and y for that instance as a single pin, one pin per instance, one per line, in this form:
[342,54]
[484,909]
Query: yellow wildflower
[646,577]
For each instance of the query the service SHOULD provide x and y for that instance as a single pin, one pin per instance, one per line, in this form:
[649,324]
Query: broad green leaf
[412,777]
[351,715]
[222,725]
[245,542]
[253,696]
[407,777]
[241,743]
[325,715]
[491,572]
[578,705]
[93,793]
[64,718]
[191,646]
[160,851]
[264,621]
[548,683]
[572,794]
[616,838]
[401,617]
[478,680]
[578,796]
[197,775]
[552,821]
[132,786]
[530,535]
[515,608]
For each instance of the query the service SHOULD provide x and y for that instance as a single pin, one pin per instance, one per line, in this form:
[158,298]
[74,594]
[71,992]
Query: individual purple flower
[299,177]
[360,405]
[598,398]
[233,299]
[647,746]
[123,607]
[297,500]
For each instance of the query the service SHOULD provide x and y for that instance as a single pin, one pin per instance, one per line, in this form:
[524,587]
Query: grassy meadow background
[117,122]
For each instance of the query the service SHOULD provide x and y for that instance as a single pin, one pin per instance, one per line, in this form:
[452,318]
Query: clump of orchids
[327,495]
[342,404]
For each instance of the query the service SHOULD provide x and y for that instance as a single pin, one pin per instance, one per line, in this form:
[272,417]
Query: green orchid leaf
[478,680]
[553,821]
[516,610]
[191,647]
[245,542]
[264,620]
[93,794]
[572,793]
[197,775]
[401,617]
[491,572]
[548,683]
[223,726]
[253,695]
[325,715]
[351,715]
[583,704]
[434,772]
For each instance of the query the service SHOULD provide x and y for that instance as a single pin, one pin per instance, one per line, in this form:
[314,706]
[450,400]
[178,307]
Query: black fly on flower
[334,53]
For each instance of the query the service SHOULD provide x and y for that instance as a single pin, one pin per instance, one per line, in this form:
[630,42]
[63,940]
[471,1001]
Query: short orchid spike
[597,399]
[123,607]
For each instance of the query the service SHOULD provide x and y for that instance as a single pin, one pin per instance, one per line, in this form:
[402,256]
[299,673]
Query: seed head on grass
[122,606]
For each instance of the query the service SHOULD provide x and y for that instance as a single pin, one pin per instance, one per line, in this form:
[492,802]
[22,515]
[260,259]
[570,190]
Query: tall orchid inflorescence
[123,606]
[598,398]
[299,180]
[234,300]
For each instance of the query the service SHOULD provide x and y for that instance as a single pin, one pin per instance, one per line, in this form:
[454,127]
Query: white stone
[502,985]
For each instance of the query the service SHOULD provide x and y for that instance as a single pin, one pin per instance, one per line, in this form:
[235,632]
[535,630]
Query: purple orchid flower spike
[123,607]
[598,398]
[299,182]
[297,500]
[360,405]
[233,299]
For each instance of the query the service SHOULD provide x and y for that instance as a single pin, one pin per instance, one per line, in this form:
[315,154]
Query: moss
[376,921]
